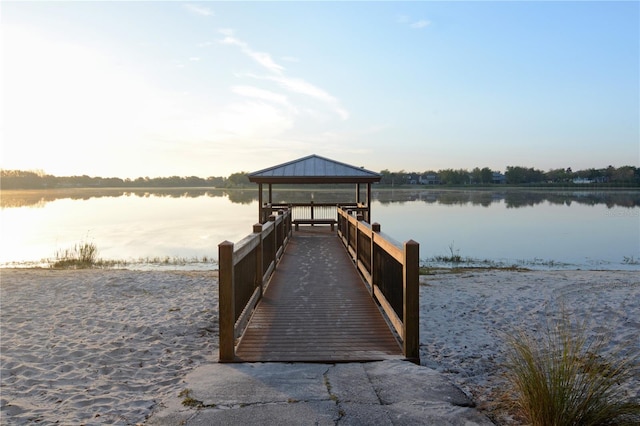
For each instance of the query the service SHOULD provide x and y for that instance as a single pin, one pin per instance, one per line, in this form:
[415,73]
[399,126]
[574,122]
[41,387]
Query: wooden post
[260,204]
[411,301]
[257,229]
[281,229]
[368,202]
[227,316]
[272,218]
[375,227]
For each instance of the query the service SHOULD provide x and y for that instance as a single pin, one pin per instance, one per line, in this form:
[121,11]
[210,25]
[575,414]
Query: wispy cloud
[262,94]
[406,20]
[295,85]
[303,87]
[420,24]
[199,10]
[262,58]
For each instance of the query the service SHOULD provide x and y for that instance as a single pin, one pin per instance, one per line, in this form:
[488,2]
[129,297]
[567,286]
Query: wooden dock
[316,308]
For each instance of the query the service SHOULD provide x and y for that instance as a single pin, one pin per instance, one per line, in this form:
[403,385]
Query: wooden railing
[244,270]
[312,210]
[391,271]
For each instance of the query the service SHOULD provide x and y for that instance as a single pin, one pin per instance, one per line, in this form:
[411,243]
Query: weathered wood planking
[317,309]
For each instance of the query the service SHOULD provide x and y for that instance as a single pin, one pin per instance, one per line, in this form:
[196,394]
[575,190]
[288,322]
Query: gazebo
[314,169]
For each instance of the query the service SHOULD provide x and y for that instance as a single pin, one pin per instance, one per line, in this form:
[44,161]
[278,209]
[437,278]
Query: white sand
[464,318]
[106,346]
[100,347]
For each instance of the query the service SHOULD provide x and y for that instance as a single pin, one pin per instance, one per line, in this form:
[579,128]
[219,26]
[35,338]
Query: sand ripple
[100,347]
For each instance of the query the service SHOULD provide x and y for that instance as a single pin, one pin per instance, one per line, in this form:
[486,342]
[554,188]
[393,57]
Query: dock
[317,282]
[316,308]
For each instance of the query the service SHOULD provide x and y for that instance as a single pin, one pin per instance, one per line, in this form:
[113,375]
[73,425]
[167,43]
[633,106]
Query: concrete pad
[350,383]
[381,393]
[323,413]
[252,383]
[400,381]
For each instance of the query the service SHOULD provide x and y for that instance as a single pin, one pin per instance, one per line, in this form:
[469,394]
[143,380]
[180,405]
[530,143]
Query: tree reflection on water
[511,197]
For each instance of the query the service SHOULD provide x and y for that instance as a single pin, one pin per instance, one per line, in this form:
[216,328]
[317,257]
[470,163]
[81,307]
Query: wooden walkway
[317,309]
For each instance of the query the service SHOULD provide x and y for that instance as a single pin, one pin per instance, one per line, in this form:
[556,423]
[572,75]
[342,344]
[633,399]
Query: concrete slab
[382,393]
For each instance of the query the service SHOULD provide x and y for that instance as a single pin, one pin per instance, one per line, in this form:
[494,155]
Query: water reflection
[512,198]
[572,227]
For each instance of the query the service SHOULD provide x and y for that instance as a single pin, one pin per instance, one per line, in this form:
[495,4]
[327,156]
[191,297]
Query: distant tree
[476,175]
[522,175]
[486,175]
[558,175]
[215,181]
[239,179]
[454,177]
[624,174]
[392,178]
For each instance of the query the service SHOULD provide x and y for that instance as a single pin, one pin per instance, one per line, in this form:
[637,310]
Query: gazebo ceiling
[314,169]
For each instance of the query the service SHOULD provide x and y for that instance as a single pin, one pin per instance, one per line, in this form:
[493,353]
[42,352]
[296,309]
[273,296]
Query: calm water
[574,229]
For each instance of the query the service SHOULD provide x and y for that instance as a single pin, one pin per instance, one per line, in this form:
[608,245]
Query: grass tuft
[562,377]
[82,255]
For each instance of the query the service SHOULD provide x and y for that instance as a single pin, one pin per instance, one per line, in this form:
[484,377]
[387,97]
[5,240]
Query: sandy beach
[108,346]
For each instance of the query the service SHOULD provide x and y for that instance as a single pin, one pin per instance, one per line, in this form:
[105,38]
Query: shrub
[563,377]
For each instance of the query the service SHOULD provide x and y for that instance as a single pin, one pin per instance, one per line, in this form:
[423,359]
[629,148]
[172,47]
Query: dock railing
[244,270]
[391,271]
[313,212]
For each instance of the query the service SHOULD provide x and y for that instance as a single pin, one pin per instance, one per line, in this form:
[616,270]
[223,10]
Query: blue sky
[134,89]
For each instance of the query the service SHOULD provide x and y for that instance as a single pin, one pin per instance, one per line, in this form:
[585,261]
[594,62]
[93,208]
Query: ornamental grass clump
[563,376]
[82,255]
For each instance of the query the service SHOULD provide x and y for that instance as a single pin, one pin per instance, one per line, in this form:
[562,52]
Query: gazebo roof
[314,169]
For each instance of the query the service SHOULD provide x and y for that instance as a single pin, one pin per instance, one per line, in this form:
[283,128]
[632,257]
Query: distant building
[499,178]
[582,181]
[430,179]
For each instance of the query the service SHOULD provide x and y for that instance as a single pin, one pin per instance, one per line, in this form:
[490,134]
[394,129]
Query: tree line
[20,179]
[514,175]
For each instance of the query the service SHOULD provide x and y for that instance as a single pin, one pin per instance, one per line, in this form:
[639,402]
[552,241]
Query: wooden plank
[317,309]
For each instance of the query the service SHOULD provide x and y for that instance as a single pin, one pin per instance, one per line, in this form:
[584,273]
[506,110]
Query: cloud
[262,58]
[303,87]
[199,10]
[406,20]
[420,24]
[262,94]
[295,85]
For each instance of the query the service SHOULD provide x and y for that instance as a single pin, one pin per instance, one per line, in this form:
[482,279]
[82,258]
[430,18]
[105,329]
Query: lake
[536,229]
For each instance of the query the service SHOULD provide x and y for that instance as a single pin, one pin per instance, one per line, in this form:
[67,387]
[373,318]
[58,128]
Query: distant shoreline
[348,187]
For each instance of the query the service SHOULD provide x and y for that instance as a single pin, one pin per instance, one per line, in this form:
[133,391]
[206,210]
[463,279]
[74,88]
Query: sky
[132,88]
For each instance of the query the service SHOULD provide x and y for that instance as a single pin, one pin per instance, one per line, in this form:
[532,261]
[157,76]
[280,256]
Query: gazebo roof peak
[314,169]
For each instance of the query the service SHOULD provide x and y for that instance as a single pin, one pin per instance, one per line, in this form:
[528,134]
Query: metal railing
[391,271]
[244,270]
